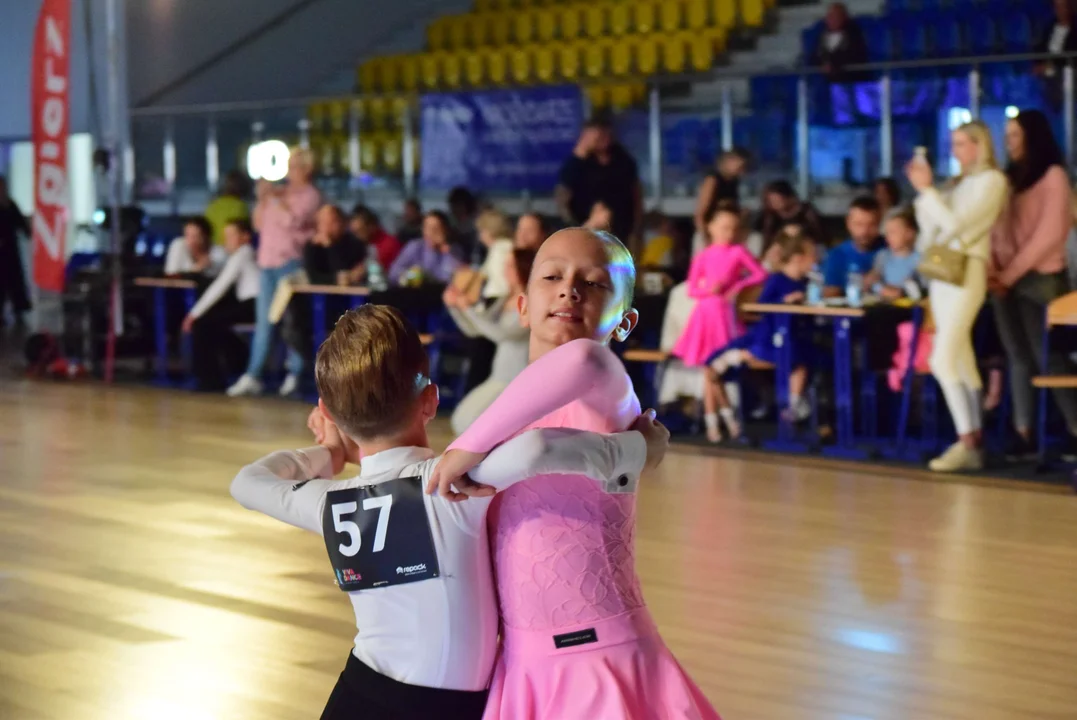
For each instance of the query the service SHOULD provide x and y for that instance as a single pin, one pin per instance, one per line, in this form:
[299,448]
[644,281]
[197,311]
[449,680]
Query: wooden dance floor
[133,587]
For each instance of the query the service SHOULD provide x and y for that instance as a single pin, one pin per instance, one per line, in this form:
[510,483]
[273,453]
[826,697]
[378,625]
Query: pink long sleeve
[1043,248]
[755,273]
[581,370]
[698,288]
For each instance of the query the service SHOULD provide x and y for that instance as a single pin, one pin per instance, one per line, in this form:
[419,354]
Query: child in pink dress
[717,275]
[577,638]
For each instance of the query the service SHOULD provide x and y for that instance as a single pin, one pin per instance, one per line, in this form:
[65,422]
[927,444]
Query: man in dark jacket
[842,44]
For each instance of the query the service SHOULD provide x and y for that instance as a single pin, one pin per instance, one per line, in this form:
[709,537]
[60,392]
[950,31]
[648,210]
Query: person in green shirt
[228,206]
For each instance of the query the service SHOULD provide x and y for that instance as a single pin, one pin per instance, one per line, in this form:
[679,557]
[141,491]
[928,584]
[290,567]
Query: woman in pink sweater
[1028,267]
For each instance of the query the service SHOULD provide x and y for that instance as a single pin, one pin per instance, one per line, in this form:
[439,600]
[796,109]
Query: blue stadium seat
[948,35]
[911,36]
[1017,36]
[981,33]
[878,37]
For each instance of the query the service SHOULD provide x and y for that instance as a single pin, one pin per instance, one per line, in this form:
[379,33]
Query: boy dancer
[416,568]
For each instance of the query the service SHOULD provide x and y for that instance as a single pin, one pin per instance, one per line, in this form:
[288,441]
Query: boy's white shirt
[441,632]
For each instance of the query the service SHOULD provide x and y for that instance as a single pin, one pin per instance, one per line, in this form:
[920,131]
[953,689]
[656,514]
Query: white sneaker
[288,387]
[246,385]
[957,457]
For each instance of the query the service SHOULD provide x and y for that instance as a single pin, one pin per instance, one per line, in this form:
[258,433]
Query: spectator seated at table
[495,234]
[194,253]
[659,241]
[334,256]
[366,225]
[894,274]
[499,323]
[411,222]
[788,285]
[716,277]
[782,208]
[530,233]
[217,352]
[433,258]
[857,254]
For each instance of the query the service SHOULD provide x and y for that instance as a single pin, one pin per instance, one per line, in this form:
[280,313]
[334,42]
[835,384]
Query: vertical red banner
[51,112]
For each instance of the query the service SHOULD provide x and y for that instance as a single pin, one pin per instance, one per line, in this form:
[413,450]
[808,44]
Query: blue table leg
[317,309]
[186,343]
[160,312]
[786,431]
[843,391]
[906,385]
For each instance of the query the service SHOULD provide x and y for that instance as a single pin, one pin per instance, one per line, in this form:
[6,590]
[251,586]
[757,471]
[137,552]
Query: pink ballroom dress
[713,323]
[577,639]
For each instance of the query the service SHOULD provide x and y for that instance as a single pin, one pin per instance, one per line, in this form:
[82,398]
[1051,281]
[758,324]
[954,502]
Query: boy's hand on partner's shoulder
[452,471]
[655,435]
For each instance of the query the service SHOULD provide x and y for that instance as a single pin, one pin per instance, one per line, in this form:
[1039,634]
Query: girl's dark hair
[893,191]
[446,224]
[203,226]
[243,225]
[525,260]
[368,216]
[538,218]
[780,187]
[722,206]
[1041,151]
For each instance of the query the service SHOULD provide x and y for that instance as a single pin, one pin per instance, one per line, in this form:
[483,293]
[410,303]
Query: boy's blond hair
[370,371]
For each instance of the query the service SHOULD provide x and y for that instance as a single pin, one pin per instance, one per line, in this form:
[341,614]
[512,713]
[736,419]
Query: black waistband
[417,700]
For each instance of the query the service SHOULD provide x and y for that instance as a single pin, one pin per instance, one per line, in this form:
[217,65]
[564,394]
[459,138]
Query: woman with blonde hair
[960,218]
[284,219]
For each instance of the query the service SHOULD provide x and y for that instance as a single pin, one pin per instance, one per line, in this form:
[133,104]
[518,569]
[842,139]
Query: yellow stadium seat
[620,19]
[598,96]
[499,5]
[367,72]
[571,21]
[397,107]
[717,36]
[752,12]
[594,20]
[670,14]
[451,68]
[475,68]
[700,50]
[338,115]
[545,24]
[369,151]
[391,152]
[409,72]
[523,27]
[644,16]
[374,111]
[674,54]
[639,93]
[478,29]
[568,61]
[545,61]
[497,67]
[500,28]
[459,28]
[621,97]
[390,73]
[430,69]
[724,13]
[646,52]
[620,57]
[484,5]
[520,64]
[696,14]
[316,114]
[594,59]
[437,35]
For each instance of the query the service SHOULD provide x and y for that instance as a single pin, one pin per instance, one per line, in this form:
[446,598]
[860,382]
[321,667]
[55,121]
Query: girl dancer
[577,638]
[715,278]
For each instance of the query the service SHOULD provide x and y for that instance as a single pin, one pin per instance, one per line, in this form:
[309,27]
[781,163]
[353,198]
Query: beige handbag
[941,262]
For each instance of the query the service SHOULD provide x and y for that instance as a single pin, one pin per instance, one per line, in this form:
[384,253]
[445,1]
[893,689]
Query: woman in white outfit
[500,323]
[960,217]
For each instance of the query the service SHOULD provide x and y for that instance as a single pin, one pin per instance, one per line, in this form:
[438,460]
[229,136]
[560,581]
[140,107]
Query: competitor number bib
[379,535]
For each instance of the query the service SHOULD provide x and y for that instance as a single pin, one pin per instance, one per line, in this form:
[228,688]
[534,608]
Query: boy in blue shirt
[857,254]
[894,274]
